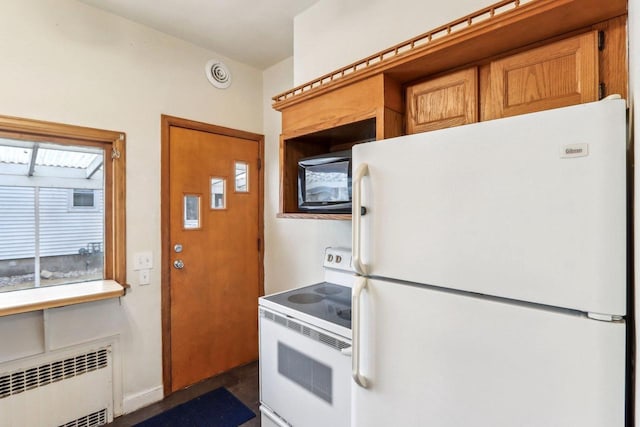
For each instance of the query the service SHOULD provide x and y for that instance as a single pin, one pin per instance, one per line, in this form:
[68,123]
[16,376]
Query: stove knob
[330,257]
[338,259]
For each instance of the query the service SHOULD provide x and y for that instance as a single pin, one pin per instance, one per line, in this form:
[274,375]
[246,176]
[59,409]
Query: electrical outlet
[143,276]
[143,260]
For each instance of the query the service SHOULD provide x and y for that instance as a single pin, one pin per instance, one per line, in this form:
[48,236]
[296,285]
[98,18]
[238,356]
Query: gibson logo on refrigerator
[574,150]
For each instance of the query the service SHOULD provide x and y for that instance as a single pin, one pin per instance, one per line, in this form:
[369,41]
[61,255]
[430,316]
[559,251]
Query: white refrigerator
[493,288]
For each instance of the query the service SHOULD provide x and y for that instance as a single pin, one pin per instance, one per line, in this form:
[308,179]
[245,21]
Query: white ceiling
[254,32]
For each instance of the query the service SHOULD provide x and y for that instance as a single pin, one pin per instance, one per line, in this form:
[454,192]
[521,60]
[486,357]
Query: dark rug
[217,408]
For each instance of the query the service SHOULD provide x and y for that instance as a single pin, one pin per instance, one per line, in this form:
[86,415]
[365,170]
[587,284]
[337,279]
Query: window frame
[113,144]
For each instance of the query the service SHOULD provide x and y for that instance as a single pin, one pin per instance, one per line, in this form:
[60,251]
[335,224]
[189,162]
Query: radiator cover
[59,389]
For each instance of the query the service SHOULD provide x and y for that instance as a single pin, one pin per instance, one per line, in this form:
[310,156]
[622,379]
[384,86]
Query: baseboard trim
[142,399]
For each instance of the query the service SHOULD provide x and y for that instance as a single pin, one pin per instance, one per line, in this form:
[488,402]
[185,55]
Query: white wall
[334,33]
[66,62]
[293,247]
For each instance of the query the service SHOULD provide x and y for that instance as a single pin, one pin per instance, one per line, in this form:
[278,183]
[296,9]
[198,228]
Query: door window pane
[218,196]
[242,177]
[191,212]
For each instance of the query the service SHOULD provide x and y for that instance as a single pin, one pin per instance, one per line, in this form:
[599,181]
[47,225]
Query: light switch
[143,260]
[143,277]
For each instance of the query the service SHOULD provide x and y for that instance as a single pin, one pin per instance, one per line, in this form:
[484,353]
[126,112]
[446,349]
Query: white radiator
[59,390]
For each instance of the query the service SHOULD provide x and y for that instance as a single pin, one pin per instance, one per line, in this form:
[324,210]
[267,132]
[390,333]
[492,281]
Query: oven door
[305,372]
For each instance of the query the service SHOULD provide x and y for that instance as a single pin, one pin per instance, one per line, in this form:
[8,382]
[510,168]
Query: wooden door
[442,102]
[555,75]
[214,253]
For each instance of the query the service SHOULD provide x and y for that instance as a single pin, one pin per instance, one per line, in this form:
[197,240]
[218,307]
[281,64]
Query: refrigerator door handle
[361,283]
[358,265]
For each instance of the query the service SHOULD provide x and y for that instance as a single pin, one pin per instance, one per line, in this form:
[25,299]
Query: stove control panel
[338,258]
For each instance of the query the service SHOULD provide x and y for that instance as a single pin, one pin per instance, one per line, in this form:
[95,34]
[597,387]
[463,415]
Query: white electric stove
[305,350]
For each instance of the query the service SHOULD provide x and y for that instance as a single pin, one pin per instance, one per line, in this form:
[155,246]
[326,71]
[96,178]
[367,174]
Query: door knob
[178,264]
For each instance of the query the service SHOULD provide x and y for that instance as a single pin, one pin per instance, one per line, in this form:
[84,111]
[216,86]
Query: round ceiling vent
[218,74]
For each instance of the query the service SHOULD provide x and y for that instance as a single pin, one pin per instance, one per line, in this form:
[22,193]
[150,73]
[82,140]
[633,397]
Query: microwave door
[325,186]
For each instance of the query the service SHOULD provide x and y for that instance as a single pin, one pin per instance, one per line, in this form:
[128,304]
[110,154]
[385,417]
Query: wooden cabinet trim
[299,215]
[344,120]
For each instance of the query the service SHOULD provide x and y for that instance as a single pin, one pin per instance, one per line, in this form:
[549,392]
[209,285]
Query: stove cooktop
[324,300]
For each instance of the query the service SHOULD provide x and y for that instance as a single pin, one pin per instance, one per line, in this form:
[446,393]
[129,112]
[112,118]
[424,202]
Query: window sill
[16,302]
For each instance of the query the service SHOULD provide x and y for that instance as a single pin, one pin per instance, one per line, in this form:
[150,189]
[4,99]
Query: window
[63,208]
[218,199]
[242,177]
[191,214]
[82,199]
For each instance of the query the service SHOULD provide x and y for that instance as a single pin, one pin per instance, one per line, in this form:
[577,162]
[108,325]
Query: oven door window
[305,371]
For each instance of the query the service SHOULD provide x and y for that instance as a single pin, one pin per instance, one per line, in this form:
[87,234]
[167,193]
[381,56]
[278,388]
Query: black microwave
[324,183]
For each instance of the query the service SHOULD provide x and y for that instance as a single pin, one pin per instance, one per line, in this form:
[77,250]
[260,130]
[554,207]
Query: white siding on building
[63,229]
[17,222]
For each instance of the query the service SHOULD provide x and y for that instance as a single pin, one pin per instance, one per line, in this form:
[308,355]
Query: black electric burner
[324,300]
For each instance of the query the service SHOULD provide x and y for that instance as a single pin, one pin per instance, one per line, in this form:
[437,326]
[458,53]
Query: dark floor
[242,382]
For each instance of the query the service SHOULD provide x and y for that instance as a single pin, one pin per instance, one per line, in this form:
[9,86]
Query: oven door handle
[361,283]
[356,215]
[347,351]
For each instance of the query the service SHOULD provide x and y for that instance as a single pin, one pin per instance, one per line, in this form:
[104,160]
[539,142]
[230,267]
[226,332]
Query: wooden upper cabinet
[555,75]
[445,101]
[376,97]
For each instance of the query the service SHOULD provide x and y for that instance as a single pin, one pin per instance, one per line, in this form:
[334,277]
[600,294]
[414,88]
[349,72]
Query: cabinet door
[446,101]
[556,75]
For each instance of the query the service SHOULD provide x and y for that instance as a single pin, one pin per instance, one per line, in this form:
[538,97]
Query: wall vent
[218,74]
